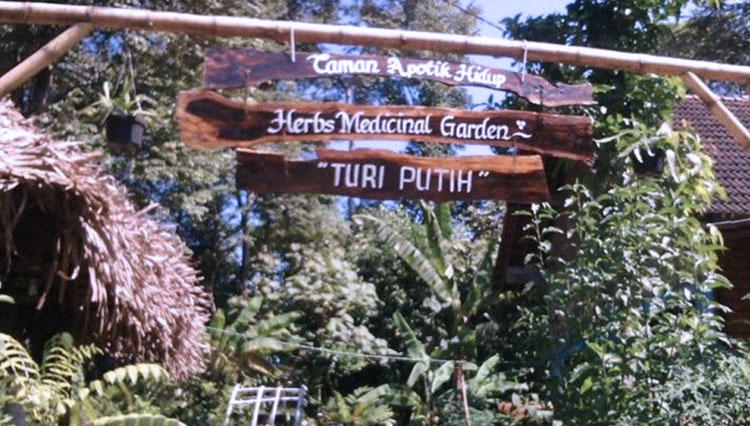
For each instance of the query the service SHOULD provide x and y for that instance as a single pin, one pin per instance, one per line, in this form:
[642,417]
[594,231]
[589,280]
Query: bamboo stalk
[734,127]
[43,57]
[226,26]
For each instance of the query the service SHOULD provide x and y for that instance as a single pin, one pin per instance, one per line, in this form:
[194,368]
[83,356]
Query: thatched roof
[72,242]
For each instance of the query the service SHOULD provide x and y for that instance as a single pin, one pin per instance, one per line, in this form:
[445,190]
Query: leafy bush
[628,329]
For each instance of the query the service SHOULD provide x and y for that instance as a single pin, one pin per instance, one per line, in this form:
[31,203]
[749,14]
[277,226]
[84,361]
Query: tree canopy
[386,311]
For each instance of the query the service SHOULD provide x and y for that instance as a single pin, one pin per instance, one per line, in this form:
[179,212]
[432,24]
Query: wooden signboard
[232,68]
[207,120]
[381,174]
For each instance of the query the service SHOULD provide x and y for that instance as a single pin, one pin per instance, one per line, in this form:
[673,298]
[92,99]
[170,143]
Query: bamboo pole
[734,127]
[43,57]
[226,26]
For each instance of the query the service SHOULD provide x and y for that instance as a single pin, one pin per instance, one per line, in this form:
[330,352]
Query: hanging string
[246,91]
[525,56]
[291,42]
[340,352]
[132,80]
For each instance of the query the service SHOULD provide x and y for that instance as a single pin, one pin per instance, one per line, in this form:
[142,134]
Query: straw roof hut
[77,256]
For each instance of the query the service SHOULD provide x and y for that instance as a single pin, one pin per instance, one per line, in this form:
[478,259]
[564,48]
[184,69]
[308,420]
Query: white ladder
[258,396]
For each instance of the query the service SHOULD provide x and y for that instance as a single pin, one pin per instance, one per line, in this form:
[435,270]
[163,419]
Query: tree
[627,317]
[459,290]
[717,34]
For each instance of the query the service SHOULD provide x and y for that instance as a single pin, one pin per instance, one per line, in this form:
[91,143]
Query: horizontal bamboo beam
[226,26]
[734,127]
[43,57]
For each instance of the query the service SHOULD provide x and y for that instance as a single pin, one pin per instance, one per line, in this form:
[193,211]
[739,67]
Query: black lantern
[651,163]
[124,132]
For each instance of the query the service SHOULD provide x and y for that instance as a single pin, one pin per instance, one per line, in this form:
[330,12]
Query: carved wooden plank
[233,68]
[207,120]
[381,174]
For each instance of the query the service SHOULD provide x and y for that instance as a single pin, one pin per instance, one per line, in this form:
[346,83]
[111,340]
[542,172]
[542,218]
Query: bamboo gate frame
[83,19]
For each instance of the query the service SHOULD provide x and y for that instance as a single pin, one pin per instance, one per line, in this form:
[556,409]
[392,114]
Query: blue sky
[496,10]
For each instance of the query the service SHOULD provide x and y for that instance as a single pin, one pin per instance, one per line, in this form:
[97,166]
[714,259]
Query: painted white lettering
[277,123]
[447,127]
[423,186]
[369,173]
[440,173]
[316,61]
[403,179]
[337,173]
[323,64]
[351,175]
[464,181]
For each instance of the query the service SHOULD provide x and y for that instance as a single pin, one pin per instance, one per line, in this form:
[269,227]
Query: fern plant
[248,340]
[44,391]
[56,388]
[359,408]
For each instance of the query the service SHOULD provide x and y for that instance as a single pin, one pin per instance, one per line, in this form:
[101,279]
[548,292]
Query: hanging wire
[525,56]
[132,80]
[340,352]
[248,71]
[291,42]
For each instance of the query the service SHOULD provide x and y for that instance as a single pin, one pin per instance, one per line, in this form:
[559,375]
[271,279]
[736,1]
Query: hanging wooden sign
[232,68]
[381,174]
[207,120]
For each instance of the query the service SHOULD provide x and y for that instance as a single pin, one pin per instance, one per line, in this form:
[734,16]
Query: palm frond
[245,317]
[481,282]
[414,347]
[413,256]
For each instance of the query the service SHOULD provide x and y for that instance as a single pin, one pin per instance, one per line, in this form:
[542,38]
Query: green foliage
[247,341]
[336,304]
[458,294]
[717,34]
[628,315]
[359,408]
[125,102]
[137,420]
[47,391]
[56,389]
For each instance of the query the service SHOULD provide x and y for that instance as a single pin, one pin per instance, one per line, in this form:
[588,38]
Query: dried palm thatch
[72,243]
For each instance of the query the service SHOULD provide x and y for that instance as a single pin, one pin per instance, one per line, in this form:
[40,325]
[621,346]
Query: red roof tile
[731,161]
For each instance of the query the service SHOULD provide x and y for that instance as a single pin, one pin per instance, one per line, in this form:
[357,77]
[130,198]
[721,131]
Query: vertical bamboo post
[43,57]
[734,127]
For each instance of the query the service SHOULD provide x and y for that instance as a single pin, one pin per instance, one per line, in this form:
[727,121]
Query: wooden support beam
[226,26]
[43,57]
[735,128]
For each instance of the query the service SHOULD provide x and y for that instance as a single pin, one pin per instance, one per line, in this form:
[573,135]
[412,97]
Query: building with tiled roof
[731,214]
[731,161]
